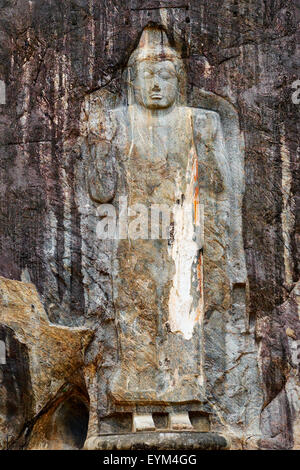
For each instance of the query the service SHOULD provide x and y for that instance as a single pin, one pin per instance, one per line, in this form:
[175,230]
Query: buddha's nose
[156,87]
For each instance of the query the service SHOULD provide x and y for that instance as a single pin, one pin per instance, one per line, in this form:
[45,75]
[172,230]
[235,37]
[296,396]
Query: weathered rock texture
[54,54]
[43,370]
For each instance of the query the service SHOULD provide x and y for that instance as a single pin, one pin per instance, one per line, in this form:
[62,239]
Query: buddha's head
[155,71]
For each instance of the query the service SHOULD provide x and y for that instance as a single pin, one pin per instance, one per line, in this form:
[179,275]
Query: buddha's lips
[156,96]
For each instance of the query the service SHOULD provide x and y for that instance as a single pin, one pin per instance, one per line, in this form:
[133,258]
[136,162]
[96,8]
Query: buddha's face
[155,84]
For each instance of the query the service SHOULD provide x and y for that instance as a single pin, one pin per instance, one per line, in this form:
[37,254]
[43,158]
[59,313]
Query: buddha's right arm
[102,175]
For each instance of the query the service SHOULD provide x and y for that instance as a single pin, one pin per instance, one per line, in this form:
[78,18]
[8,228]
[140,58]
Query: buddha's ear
[127,85]
[130,90]
[181,77]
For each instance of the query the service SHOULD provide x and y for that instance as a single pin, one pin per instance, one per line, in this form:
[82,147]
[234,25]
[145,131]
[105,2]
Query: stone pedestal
[181,430]
[162,440]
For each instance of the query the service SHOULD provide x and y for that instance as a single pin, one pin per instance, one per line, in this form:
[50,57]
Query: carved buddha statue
[156,151]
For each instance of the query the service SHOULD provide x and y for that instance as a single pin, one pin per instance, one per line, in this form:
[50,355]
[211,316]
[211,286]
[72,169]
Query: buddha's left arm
[217,175]
[214,169]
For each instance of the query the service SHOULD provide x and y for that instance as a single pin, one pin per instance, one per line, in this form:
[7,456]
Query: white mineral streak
[23,154]
[286,214]
[91,57]
[207,69]
[182,315]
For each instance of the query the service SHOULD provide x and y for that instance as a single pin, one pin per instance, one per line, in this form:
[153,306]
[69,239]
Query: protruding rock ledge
[158,441]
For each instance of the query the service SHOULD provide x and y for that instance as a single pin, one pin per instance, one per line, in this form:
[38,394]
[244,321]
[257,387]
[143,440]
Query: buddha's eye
[166,75]
[148,74]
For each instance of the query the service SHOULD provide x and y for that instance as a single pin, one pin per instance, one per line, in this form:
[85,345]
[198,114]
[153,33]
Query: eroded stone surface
[42,359]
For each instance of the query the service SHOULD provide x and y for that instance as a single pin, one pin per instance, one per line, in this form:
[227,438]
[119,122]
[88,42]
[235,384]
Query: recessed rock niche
[175,276]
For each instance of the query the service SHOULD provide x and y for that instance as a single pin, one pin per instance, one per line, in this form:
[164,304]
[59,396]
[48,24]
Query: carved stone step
[143,422]
[180,422]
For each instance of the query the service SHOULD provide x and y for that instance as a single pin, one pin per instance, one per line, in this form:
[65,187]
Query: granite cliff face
[58,323]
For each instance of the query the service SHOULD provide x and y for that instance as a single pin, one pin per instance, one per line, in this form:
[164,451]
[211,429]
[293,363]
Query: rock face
[42,372]
[63,64]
